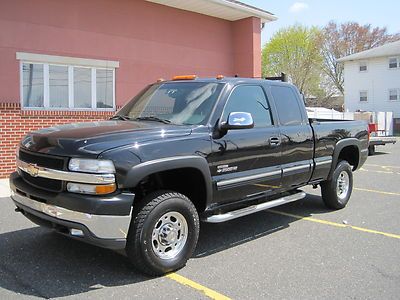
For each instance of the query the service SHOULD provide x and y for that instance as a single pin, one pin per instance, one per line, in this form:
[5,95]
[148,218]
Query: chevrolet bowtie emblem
[32,170]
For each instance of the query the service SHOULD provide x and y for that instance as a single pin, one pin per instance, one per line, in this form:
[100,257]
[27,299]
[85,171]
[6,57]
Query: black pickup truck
[181,151]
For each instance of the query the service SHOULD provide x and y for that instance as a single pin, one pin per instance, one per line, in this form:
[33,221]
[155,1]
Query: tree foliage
[295,50]
[340,40]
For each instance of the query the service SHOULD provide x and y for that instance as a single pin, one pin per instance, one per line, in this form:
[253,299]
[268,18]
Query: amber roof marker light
[184,77]
[220,76]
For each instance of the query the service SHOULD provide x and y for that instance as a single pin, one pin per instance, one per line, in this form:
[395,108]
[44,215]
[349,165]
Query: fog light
[90,188]
[76,232]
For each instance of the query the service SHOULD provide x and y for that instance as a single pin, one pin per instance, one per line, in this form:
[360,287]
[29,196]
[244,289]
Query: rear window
[286,102]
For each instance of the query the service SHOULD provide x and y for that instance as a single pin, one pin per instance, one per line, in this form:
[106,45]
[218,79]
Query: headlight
[91,165]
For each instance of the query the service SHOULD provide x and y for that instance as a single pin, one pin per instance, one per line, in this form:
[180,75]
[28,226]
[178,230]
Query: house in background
[70,60]
[372,81]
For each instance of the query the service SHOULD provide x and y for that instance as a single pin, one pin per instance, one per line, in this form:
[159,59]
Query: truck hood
[92,138]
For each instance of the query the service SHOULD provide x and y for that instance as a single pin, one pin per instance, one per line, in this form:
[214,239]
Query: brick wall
[15,123]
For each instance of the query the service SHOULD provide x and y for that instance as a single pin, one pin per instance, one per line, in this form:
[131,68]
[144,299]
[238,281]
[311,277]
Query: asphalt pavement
[297,251]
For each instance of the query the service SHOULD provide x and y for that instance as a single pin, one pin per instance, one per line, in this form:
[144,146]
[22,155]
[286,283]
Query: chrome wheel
[343,185]
[169,235]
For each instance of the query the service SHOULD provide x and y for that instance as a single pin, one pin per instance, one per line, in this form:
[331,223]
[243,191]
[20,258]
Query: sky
[382,13]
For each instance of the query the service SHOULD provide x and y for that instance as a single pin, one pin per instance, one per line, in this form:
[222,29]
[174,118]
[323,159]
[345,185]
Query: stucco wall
[149,40]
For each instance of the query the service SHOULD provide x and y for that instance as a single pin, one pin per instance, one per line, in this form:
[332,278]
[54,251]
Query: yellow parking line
[379,192]
[377,171]
[372,165]
[396,236]
[208,292]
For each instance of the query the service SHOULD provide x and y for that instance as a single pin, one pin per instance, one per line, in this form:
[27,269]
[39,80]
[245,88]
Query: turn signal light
[184,77]
[105,189]
[91,189]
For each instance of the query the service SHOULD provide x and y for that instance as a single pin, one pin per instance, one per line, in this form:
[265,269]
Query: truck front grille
[42,160]
[46,161]
[43,183]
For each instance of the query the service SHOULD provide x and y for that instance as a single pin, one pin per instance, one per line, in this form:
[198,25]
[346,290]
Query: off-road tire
[329,188]
[139,247]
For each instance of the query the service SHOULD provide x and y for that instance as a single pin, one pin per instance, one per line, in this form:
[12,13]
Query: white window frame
[397,63]
[359,96]
[363,63]
[70,62]
[398,95]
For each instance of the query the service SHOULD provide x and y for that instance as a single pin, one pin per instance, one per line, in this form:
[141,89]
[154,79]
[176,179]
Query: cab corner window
[250,99]
[289,112]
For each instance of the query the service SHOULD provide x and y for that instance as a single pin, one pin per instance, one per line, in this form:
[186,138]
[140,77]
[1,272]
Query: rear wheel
[163,233]
[337,191]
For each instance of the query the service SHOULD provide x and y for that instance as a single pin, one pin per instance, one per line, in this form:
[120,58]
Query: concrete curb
[4,188]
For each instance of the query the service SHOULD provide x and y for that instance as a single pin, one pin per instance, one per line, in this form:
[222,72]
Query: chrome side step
[253,208]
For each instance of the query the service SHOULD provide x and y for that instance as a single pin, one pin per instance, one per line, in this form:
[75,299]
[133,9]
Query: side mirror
[238,120]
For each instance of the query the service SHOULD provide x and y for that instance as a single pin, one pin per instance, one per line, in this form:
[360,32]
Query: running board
[254,208]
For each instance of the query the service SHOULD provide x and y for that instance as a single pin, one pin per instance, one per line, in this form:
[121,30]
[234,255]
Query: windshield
[183,103]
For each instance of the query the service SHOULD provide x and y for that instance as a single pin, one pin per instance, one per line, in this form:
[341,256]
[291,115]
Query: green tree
[296,51]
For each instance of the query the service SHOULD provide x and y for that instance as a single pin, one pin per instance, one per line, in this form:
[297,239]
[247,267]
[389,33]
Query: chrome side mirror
[238,120]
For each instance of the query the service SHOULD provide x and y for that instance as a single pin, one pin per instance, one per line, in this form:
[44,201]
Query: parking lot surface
[298,251]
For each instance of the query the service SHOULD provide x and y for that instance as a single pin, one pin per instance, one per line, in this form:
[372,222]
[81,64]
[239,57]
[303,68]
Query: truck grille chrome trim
[254,208]
[37,171]
[102,226]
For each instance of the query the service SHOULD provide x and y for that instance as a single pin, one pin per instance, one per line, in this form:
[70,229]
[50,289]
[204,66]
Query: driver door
[246,163]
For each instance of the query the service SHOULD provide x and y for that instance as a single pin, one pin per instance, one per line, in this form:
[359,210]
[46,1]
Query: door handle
[274,141]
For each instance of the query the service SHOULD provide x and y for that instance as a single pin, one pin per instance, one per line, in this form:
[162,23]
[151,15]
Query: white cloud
[298,7]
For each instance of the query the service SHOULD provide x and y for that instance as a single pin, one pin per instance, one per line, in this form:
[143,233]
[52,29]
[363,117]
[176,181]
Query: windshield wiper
[153,118]
[119,117]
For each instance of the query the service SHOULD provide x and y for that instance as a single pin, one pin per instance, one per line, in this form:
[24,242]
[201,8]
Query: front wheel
[163,233]
[337,191]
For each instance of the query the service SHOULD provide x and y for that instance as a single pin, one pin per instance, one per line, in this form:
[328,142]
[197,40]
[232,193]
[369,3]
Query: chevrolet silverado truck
[183,151]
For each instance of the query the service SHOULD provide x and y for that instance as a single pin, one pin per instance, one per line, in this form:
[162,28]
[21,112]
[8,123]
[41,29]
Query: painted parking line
[378,171]
[376,191]
[206,291]
[390,167]
[315,220]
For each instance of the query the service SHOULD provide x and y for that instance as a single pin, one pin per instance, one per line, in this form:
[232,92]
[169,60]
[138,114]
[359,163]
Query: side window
[287,105]
[251,99]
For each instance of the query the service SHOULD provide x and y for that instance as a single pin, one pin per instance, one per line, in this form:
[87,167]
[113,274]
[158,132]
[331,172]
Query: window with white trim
[362,67]
[394,94]
[363,96]
[48,85]
[394,62]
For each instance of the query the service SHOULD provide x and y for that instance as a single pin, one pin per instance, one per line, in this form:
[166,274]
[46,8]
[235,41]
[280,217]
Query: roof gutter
[263,15]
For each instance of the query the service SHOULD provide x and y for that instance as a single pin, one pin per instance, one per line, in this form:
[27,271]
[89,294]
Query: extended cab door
[246,163]
[296,136]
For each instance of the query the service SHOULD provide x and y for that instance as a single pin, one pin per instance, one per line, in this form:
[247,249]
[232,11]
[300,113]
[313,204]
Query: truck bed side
[330,138]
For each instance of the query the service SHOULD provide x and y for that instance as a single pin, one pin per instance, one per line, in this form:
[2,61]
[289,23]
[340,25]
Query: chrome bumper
[101,226]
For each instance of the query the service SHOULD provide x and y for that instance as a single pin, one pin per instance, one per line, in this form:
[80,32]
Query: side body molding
[140,171]
[338,148]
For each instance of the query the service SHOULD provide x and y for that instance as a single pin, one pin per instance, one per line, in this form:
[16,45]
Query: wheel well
[187,181]
[351,155]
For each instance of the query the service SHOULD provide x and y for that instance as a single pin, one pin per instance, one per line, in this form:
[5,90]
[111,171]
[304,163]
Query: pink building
[71,60]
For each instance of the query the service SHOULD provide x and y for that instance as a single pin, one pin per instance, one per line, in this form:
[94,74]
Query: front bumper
[105,230]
